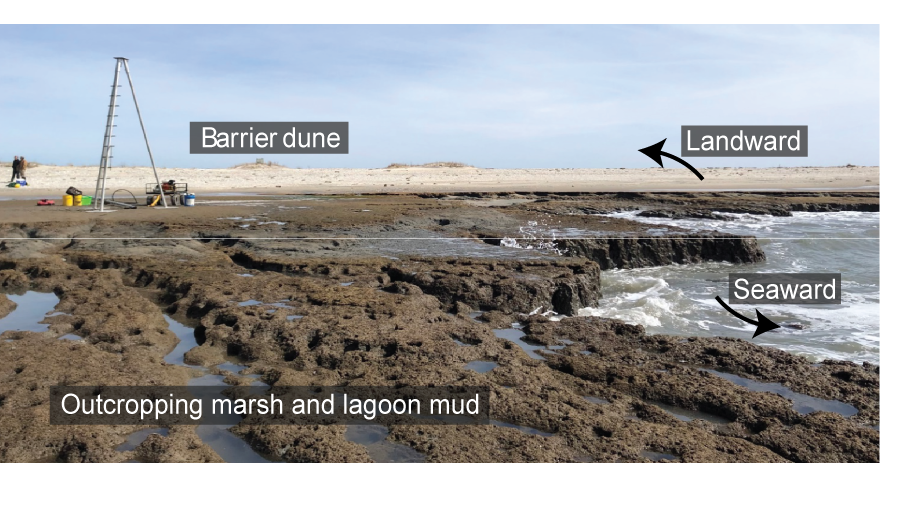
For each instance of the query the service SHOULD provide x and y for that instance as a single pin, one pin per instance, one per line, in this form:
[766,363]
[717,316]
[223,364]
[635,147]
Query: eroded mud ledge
[356,318]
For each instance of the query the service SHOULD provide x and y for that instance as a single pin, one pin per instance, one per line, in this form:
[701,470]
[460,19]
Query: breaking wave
[679,299]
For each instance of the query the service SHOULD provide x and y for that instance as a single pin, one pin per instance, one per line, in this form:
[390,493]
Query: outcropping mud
[6,305]
[340,310]
[640,252]
[694,204]
[363,323]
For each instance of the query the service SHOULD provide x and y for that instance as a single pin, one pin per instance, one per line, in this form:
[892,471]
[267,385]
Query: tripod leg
[142,128]
[100,192]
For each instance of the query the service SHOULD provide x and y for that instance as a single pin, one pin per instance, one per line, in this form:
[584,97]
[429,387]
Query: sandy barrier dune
[53,180]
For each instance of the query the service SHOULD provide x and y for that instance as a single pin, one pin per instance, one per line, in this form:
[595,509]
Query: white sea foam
[680,299]
[533,236]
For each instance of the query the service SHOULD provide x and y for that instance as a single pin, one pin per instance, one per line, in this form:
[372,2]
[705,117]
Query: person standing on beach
[23,167]
[15,169]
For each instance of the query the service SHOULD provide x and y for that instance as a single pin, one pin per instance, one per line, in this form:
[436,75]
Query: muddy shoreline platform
[394,290]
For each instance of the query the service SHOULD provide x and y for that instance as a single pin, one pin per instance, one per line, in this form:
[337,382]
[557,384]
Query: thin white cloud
[493,95]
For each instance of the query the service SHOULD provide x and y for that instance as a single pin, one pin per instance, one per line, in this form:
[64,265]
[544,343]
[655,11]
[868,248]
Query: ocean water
[679,299]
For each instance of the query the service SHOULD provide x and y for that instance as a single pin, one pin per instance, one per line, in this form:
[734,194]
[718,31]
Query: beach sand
[52,181]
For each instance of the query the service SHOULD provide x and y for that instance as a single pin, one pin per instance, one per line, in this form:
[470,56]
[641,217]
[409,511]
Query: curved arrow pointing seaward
[764,324]
[655,153]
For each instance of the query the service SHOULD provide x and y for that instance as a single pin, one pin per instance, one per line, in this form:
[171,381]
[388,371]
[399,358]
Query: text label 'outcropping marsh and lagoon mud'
[294,405]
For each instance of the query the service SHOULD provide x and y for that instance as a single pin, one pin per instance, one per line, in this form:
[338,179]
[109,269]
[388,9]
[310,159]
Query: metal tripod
[105,158]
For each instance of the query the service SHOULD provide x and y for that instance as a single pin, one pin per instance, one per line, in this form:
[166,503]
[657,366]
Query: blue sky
[491,96]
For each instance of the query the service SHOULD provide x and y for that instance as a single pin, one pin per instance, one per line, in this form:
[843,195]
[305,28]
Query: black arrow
[764,324]
[655,153]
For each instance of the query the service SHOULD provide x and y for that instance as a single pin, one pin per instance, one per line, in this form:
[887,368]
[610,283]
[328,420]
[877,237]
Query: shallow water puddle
[136,438]
[239,220]
[596,400]
[528,430]
[247,203]
[658,456]
[481,367]
[31,308]
[688,415]
[801,403]
[236,369]
[69,336]
[278,304]
[218,380]
[233,368]
[475,316]
[347,284]
[426,243]
[514,334]
[294,317]
[186,341]
[374,438]
[229,446]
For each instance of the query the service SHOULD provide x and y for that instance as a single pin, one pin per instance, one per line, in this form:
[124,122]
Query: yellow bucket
[77,200]
[67,200]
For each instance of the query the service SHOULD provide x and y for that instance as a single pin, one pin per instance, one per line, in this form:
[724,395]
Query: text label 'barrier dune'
[269,137]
